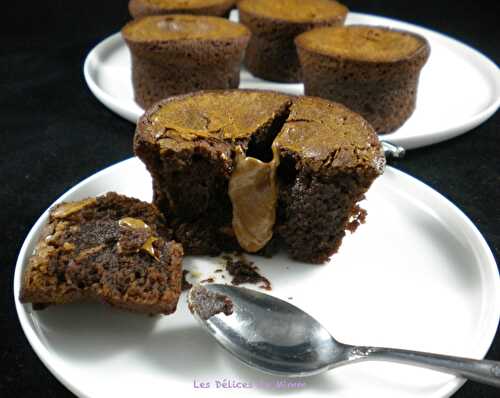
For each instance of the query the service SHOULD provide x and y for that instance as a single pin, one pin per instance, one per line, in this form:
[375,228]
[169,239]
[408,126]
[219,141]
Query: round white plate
[459,87]
[417,275]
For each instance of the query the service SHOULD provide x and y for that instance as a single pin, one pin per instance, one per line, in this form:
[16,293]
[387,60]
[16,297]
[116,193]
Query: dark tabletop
[54,133]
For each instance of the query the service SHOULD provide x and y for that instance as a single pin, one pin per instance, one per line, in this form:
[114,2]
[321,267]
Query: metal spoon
[276,337]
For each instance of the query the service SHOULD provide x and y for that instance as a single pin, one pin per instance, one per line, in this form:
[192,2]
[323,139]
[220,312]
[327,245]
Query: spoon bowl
[272,335]
[276,337]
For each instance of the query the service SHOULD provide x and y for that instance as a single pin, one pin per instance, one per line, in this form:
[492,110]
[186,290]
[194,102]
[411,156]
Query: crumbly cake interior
[111,248]
[329,158]
[205,303]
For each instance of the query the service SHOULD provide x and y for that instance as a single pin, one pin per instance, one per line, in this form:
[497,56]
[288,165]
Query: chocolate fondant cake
[217,8]
[253,170]
[373,71]
[176,54]
[110,248]
[271,53]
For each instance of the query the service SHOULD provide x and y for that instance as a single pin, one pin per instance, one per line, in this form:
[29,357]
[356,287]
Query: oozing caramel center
[253,189]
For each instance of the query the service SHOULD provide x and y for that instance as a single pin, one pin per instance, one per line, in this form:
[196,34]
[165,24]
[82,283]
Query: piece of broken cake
[110,248]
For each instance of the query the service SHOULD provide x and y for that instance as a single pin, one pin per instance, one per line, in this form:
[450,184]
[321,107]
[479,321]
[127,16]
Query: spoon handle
[483,371]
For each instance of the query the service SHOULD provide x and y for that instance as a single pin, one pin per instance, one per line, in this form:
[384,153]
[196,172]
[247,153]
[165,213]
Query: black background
[54,133]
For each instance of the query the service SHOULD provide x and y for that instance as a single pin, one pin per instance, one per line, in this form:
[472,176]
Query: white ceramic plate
[417,275]
[459,87]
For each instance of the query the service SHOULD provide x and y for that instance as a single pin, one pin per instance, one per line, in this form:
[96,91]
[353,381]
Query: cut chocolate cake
[111,248]
[254,170]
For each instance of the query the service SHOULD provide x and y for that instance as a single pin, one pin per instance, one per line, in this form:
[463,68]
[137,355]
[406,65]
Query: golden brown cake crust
[165,28]
[363,43]
[198,115]
[316,128]
[177,122]
[217,8]
[299,11]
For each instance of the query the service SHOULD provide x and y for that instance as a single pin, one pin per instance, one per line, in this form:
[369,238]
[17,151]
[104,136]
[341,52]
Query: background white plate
[459,87]
[417,275]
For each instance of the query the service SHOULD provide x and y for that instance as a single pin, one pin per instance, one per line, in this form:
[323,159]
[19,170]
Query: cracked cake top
[317,130]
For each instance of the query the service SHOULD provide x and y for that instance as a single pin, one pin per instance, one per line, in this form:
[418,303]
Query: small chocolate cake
[271,53]
[253,170]
[216,8]
[373,71]
[176,54]
[110,248]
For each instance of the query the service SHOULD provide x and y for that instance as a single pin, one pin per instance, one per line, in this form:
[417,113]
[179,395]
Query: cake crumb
[208,280]
[207,304]
[245,271]
[358,218]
